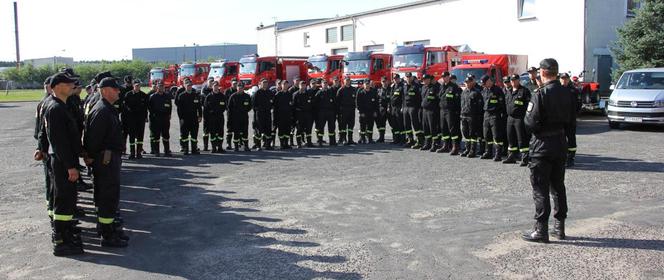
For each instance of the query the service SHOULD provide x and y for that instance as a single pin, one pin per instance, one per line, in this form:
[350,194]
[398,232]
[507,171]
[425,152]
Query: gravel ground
[363,212]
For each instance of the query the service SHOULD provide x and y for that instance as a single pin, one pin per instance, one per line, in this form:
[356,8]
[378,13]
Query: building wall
[603,18]
[489,26]
[38,62]
[201,53]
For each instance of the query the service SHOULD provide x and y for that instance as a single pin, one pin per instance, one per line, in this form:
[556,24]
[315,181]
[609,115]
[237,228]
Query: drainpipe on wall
[354,35]
[276,46]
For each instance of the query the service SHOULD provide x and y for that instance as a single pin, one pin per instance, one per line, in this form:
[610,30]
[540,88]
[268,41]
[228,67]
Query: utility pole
[18,54]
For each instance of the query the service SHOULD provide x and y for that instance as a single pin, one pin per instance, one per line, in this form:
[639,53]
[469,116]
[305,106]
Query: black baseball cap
[128,78]
[564,75]
[533,68]
[61,78]
[47,81]
[137,81]
[240,83]
[453,77]
[515,77]
[470,78]
[396,76]
[100,76]
[109,82]
[446,74]
[367,81]
[408,75]
[549,64]
[485,78]
[70,72]
[427,76]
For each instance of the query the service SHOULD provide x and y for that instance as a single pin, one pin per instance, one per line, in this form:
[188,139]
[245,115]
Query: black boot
[237,146]
[445,148]
[420,141]
[435,146]
[110,237]
[320,141]
[466,149]
[220,146]
[229,140]
[269,144]
[333,141]
[63,238]
[540,233]
[370,138]
[455,148]
[246,146]
[558,229]
[257,144]
[362,139]
[206,138]
[213,147]
[409,141]
[511,158]
[194,148]
[349,139]
[481,145]
[525,159]
[132,151]
[154,149]
[184,146]
[309,143]
[427,145]
[117,226]
[167,148]
[342,138]
[299,142]
[472,152]
[139,151]
[497,153]
[381,137]
[487,149]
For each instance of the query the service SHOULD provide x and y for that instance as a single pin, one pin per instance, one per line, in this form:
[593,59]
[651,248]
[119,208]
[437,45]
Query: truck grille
[639,104]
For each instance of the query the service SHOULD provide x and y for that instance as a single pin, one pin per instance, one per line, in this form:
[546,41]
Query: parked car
[638,97]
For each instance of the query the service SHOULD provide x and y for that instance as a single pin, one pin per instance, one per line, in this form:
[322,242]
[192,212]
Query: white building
[575,32]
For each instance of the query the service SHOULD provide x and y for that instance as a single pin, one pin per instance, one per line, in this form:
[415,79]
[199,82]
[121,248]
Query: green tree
[641,40]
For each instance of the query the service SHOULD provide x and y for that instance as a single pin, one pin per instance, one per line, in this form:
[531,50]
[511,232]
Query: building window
[340,51]
[347,33]
[378,64]
[526,9]
[306,39]
[632,6]
[331,35]
[374,48]
[418,42]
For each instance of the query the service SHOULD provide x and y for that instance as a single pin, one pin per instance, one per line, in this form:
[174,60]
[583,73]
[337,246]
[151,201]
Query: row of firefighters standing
[425,115]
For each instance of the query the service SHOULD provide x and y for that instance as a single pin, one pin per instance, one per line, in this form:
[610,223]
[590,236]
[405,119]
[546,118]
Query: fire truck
[420,60]
[325,67]
[496,66]
[168,75]
[253,68]
[196,72]
[367,65]
[224,72]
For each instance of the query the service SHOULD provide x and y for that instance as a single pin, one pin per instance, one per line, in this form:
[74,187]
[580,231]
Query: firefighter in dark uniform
[336,85]
[292,90]
[41,153]
[517,100]
[214,107]
[450,110]
[570,130]
[262,102]
[228,93]
[205,91]
[283,115]
[326,107]
[430,114]
[119,105]
[411,114]
[135,114]
[160,106]
[190,113]
[534,81]
[494,110]
[103,144]
[346,101]
[383,105]
[548,114]
[472,108]
[303,106]
[395,108]
[65,146]
[239,106]
[367,105]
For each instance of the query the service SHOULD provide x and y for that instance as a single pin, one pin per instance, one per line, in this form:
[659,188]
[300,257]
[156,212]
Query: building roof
[306,23]
[292,23]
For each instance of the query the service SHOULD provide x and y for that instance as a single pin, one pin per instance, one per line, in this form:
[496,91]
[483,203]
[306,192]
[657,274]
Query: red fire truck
[168,75]
[254,68]
[367,65]
[224,72]
[495,65]
[325,67]
[196,72]
[421,60]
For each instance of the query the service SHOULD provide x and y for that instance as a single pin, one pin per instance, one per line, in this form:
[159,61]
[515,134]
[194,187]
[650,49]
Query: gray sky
[95,30]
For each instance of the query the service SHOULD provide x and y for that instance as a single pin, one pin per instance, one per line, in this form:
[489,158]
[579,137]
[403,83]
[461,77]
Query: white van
[637,98]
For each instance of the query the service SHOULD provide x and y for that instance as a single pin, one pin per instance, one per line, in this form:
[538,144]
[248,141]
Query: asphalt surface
[361,212]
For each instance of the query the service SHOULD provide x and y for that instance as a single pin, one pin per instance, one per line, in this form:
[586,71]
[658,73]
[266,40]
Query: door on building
[603,72]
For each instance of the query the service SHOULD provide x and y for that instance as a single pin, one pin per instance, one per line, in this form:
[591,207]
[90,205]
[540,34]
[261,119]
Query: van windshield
[641,80]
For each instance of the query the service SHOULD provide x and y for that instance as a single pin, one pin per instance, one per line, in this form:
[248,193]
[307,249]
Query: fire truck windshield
[319,66]
[156,75]
[408,60]
[462,73]
[187,70]
[357,66]
[248,68]
[217,71]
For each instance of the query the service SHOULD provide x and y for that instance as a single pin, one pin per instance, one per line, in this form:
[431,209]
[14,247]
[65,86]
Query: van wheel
[614,125]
